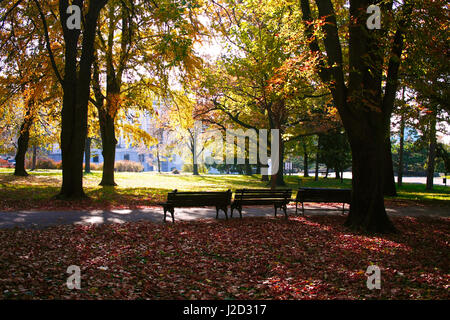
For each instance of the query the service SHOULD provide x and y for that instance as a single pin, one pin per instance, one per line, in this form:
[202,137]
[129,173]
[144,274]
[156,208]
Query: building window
[95,159]
[126,157]
[141,158]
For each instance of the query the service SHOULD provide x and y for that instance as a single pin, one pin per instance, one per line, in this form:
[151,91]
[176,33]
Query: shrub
[5,164]
[128,166]
[43,163]
[97,166]
[175,171]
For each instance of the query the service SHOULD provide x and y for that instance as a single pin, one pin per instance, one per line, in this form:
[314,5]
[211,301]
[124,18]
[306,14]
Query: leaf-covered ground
[253,258]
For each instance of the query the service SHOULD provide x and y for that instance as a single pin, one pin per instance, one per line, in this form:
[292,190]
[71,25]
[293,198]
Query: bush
[94,166]
[128,166]
[175,171]
[97,166]
[43,163]
[5,164]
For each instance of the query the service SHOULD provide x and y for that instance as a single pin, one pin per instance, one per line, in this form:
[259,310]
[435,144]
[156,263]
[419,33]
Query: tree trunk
[248,169]
[264,177]
[195,169]
[305,162]
[279,176]
[336,172]
[400,152]
[431,151]
[158,158]
[316,173]
[109,142]
[87,156]
[76,93]
[389,180]
[22,145]
[367,211]
[363,109]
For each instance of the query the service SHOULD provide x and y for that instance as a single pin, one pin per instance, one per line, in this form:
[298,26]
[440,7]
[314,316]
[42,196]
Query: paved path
[40,219]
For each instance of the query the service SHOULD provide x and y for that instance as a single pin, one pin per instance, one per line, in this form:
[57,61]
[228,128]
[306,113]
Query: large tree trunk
[87,156]
[360,102]
[22,144]
[76,89]
[431,152]
[109,142]
[367,210]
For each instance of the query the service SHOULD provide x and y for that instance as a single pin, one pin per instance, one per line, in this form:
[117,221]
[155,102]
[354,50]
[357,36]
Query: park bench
[253,197]
[175,199]
[322,195]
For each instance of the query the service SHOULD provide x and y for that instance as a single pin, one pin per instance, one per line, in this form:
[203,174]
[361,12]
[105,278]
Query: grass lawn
[146,189]
[253,258]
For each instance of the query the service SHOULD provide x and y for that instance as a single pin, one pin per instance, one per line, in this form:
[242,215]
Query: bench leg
[285,211]
[171,210]
[303,209]
[343,208]
[275,206]
[225,210]
[240,212]
[296,207]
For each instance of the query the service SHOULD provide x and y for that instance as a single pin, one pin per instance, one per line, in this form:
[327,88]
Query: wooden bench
[175,199]
[253,197]
[322,195]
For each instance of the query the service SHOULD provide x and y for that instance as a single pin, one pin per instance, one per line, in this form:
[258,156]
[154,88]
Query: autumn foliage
[253,258]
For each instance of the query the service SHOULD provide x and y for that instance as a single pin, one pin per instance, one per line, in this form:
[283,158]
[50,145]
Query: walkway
[40,219]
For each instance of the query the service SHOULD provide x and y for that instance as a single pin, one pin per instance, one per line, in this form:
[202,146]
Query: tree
[29,85]
[75,83]
[334,151]
[156,36]
[364,110]
[255,83]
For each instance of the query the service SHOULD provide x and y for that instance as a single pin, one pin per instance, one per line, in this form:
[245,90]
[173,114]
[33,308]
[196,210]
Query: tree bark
[305,162]
[87,156]
[22,143]
[109,142]
[316,173]
[337,173]
[367,207]
[431,151]
[158,158]
[195,169]
[279,176]
[389,179]
[400,152]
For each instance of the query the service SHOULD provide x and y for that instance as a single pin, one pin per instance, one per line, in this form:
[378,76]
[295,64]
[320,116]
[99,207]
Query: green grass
[143,189]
